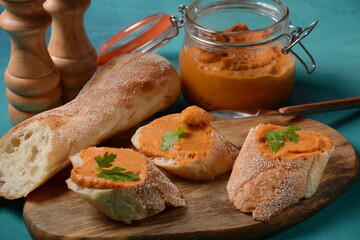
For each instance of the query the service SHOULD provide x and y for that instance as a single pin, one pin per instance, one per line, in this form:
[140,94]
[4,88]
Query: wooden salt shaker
[32,80]
[70,47]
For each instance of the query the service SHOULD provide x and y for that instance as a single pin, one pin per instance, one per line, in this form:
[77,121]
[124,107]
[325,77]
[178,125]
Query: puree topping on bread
[87,174]
[265,182]
[307,144]
[194,115]
[196,138]
[146,191]
[186,145]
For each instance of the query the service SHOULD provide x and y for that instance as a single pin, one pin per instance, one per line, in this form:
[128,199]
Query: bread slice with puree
[186,145]
[122,183]
[277,166]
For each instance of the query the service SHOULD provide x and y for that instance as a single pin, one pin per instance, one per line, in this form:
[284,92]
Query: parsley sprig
[276,138]
[115,174]
[171,137]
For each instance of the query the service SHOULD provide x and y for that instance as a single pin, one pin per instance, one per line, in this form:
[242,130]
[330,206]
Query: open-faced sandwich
[186,145]
[122,183]
[276,167]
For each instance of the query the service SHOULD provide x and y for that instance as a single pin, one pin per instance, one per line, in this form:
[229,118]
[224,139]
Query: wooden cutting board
[54,212]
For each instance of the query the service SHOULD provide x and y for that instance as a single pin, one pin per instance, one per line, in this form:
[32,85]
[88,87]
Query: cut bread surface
[22,159]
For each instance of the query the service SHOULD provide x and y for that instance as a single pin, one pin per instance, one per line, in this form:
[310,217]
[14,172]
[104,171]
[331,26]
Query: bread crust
[217,161]
[134,202]
[110,103]
[267,186]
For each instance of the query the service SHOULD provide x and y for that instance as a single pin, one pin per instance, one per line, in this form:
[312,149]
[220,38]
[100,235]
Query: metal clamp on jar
[236,54]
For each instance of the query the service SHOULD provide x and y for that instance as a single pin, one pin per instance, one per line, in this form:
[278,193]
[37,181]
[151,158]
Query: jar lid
[147,34]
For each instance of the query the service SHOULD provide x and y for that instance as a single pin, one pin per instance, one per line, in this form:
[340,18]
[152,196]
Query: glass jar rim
[279,22]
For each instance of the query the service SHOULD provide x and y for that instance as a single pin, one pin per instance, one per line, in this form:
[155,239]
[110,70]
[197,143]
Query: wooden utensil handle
[297,109]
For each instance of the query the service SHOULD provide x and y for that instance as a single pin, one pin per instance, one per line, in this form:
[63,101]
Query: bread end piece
[131,203]
[267,186]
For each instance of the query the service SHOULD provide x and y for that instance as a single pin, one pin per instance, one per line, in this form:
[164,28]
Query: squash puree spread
[228,80]
[86,174]
[310,143]
[195,142]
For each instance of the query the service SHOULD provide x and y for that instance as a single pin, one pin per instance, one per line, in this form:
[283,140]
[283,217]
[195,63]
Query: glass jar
[237,54]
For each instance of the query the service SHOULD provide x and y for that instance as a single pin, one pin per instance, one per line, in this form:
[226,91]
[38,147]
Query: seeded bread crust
[217,161]
[110,103]
[267,186]
[135,202]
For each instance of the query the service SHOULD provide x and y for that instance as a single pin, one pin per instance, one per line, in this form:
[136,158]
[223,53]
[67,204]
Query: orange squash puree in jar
[310,143]
[196,140]
[243,79]
[85,175]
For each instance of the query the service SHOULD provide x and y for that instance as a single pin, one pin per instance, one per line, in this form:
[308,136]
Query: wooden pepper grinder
[70,47]
[32,80]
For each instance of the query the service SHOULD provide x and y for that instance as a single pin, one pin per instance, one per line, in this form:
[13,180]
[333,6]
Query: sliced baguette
[267,186]
[133,202]
[217,160]
[110,103]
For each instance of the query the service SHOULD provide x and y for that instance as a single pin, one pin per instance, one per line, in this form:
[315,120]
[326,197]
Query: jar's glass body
[231,56]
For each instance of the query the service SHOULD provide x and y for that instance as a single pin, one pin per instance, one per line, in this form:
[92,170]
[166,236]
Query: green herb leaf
[290,133]
[116,173]
[116,176]
[106,160]
[171,137]
[276,138]
[180,130]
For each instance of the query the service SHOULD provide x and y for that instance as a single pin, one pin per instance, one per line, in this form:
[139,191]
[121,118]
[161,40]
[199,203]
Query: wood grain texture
[32,80]
[54,212]
[69,46]
[295,110]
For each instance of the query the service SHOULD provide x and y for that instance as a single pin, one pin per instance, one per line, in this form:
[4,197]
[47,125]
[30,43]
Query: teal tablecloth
[335,44]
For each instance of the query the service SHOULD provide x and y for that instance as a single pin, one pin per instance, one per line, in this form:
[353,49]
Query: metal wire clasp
[295,36]
[178,22]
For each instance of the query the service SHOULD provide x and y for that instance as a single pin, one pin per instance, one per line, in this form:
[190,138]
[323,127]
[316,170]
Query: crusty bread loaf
[110,103]
[133,202]
[218,160]
[267,186]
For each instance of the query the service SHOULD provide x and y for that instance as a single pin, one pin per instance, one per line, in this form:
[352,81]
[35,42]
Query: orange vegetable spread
[195,142]
[228,80]
[309,143]
[85,175]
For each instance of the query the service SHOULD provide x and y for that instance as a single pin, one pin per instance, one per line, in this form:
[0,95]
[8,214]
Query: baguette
[266,186]
[127,201]
[216,158]
[110,103]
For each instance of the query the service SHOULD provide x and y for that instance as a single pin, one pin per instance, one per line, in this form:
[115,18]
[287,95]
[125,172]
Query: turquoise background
[335,45]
